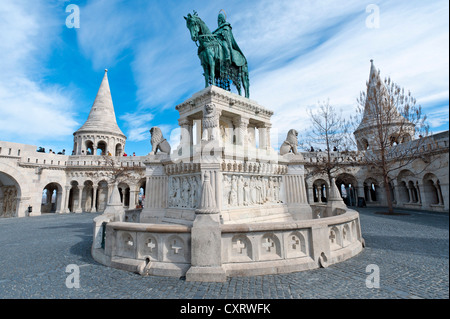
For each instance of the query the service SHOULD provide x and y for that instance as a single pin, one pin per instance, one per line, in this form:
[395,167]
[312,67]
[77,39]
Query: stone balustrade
[246,249]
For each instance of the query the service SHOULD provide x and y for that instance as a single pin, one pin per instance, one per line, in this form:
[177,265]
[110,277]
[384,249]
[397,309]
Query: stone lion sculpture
[290,144]
[210,123]
[159,143]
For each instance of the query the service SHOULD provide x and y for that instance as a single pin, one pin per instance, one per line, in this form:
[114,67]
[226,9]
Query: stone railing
[99,161]
[246,249]
[153,249]
[257,249]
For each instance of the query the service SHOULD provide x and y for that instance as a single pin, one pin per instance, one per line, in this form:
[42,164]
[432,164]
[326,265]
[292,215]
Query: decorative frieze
[184,191]
[241,190]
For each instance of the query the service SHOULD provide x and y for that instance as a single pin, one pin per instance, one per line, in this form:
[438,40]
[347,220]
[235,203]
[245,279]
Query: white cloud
[137,126]
[411,46]
[30,110]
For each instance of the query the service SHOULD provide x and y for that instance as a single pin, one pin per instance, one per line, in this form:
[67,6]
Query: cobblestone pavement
[411,251]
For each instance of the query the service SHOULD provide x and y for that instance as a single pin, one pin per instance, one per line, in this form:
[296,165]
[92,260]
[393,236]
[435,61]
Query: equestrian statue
[220,56]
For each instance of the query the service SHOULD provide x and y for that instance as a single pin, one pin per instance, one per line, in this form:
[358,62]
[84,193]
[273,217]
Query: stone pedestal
[114,208]
[206,263]
[335,200]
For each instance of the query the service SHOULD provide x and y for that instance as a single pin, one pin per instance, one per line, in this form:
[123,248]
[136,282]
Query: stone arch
[346,235]
[9,194]
[87,196]
[52,198]
[347,186]
[335,238]
[148,247]
[405,188]
[270,246]
[406,138]
[74,203]
[393,139]
[102,195]
[124,191]
[296,245]
[241,248]
[10,176]
[432,190]
[371,190]
[126,245]
[118,151]
[320,190]
[102,147]
[89,147]
[141,192]
[176,249]
[364,144]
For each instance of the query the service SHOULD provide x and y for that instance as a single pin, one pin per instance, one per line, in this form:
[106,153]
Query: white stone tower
[100,134]
[398,129]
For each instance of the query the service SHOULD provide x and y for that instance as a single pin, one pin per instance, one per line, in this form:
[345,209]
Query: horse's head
[193,24]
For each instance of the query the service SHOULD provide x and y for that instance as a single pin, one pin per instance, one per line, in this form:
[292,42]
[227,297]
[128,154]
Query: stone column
[396,193]
[185,131]
[319,194]
[310,194]
[268,127]
[262,136]
[198,131]
[66,200]
[206,241]
[80,197]
[241,130]
[147,189]
[83,145]
[439,192]
[59,201]
[410,194]
[133,199]
[444,190]
[94,199]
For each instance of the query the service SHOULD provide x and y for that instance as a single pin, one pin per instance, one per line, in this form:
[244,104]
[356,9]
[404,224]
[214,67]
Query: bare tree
[390,128]
[329,130]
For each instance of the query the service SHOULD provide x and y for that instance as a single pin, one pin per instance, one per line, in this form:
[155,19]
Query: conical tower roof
[377,96]
[102,118]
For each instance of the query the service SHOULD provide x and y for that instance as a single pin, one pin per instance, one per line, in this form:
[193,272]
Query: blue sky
[299,52]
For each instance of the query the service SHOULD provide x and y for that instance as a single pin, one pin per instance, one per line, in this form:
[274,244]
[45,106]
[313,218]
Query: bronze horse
[210,52]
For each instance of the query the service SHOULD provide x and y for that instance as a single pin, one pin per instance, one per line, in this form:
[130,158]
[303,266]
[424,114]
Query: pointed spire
[374,84]
[374,75]
[102,117]
[377,102]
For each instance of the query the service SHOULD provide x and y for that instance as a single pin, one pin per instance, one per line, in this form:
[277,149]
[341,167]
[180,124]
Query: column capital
[240,120]
[264,125]
[184,121]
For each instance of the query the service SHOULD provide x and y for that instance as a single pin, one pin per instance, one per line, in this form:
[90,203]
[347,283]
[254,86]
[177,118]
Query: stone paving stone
[411,251]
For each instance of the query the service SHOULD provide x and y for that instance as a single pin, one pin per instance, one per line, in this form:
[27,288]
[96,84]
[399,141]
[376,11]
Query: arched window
[101,148]
[89,148]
